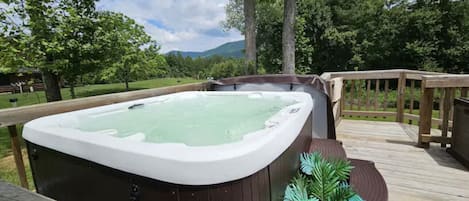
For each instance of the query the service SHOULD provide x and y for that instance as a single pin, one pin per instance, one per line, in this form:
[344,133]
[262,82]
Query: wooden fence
[449,87]
[368,94]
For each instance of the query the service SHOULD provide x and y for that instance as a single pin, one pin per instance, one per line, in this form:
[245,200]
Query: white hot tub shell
[176,163]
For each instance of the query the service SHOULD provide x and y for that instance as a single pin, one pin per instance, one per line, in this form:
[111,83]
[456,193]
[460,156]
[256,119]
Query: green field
[7,165]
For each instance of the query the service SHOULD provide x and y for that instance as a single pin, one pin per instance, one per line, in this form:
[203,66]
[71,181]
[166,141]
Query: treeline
[203,67]
[337,35]
[69,40]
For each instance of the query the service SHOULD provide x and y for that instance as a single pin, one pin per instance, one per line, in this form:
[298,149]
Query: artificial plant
[321,179]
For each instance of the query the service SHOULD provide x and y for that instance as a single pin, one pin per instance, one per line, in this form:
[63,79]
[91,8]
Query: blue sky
[187,25]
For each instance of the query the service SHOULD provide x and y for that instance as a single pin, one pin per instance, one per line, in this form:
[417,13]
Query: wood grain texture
[379,74]
[411,173]
[368,89]
[412,98]
[369,113]
[448,101]
[15,193]
[376,95]
[425,124]
[352,92]
[445,81]
[386,94]
[401,98]
[18,156]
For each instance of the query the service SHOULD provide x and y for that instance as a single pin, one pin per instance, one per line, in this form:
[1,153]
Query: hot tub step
[367,181]
[328,148]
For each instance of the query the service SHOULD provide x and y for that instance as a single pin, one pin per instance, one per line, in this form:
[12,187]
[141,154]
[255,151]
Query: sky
[186,25]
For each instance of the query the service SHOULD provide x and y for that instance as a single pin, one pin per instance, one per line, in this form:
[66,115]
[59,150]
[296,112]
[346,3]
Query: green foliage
[308,162]
[12,38]
[297,190]
[337,35]
[130,51]
[228,68]
[72,40]
[202,67]
[321,179]
[342,168]
[235,15]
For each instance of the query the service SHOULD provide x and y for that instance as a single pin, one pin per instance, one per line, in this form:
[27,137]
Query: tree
[12,43]
[77,34]
[227,68]
[241,15]
[41,17]
[335,35]
[288,37]
[128,40]
[250,35]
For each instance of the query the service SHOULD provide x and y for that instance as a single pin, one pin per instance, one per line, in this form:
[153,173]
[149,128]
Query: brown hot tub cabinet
[64,177]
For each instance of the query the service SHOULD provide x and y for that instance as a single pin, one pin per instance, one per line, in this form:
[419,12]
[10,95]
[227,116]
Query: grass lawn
[435,114]
[7,165]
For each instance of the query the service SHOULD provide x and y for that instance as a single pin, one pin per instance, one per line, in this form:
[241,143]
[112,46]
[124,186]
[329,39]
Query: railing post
[426,109]
[18,156]
[401,97]
[343,98]
[447,102]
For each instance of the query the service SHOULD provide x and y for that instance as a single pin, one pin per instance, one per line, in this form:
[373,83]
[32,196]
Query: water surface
[205,120]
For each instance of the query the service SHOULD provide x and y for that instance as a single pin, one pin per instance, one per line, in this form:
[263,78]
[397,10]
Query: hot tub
[182,146]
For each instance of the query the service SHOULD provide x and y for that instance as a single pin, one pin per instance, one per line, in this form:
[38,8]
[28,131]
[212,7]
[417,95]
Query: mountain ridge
[233,49]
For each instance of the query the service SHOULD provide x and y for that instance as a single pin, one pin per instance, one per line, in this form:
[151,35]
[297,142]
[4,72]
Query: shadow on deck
[411,173]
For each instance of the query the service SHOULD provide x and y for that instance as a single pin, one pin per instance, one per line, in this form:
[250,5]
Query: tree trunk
[72,90]
[250,35]
[51,86]
[126,84]
[288,37]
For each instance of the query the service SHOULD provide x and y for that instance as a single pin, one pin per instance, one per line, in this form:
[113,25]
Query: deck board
[411,173]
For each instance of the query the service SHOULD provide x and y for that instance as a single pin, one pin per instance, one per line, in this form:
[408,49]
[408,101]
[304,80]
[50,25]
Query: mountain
[231,49]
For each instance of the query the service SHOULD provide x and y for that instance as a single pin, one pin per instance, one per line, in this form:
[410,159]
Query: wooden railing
[12,117]
[394,94]
[449,86]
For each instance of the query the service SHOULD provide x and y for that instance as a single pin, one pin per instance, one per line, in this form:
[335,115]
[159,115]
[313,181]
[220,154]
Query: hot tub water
[199,120]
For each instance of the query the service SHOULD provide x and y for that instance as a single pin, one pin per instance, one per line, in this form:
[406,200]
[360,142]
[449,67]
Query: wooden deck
[411,173]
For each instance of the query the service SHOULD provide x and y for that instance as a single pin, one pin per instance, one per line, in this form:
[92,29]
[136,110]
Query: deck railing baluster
[352,90]
[411,104]
[368,89]
[17,155]
[386,92]
[376,94]
[447,97]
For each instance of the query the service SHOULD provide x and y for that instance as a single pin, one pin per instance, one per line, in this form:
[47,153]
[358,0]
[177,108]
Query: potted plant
[321,179]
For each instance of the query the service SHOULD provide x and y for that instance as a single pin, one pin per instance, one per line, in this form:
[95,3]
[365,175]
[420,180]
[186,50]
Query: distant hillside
[231,49]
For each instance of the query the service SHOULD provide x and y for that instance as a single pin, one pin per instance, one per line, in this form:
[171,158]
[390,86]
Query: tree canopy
[68,39]
[336,35]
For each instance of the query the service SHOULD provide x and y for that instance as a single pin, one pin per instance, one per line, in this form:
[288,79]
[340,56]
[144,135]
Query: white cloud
[190,25]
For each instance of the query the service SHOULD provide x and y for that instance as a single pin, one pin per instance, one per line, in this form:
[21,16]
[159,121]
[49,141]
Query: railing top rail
[13,116]
[445,81]
[372,74]
[378,74]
